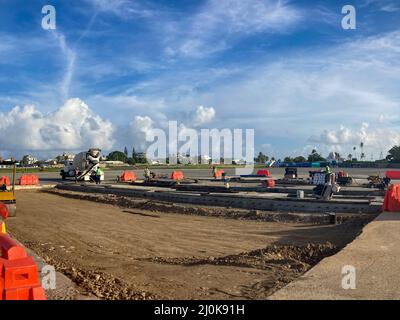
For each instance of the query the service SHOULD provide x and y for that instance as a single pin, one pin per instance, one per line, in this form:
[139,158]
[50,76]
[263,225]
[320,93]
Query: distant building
[113,163]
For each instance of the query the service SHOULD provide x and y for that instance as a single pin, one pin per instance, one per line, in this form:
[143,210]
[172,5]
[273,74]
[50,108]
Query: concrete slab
[375,254]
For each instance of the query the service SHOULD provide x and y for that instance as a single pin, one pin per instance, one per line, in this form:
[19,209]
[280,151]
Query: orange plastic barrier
[392,199]
[5,180]
[270,183]
[177,175]
[394,175]
[19,278]
[219,173]
[263,172]
[128,176]
[28,180]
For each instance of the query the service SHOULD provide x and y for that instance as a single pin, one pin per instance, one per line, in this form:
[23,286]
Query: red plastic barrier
[394,175]
[19,278]
[263,172]
[10,249]
[128,176]
[28,180]
[392,199]
[3,211]
[270,183]
[5,180]
[177,175]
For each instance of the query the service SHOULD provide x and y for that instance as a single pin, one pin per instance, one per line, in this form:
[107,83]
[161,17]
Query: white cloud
[71,127]
[383,5]
[220,22]
[122,8]
[375,139]
[139,128]
[70,57]
[203,115]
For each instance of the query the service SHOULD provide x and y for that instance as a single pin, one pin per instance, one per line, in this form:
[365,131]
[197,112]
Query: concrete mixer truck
[83,166]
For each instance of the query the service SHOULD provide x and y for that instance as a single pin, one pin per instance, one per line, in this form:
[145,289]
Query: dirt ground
[116,252]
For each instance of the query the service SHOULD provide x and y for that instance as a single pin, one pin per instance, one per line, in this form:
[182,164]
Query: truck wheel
[12,209]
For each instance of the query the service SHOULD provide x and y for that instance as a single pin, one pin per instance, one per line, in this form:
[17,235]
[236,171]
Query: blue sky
[112,70]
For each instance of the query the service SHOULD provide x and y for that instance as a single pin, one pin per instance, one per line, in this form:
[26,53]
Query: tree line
[393,157]
[134,158]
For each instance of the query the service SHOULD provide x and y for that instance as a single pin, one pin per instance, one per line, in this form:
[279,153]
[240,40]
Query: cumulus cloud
[375,139]
[203,115]
[140,126]
[71,127]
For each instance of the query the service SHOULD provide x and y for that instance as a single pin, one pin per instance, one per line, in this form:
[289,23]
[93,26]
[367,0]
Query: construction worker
[147,174]
[328,169]
[215,171]
[76,174]
[98,175]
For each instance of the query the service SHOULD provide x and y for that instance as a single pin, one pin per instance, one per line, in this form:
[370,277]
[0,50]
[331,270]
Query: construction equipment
[7,193]
[83,167]
[326,185]
[290,173]
[378,182]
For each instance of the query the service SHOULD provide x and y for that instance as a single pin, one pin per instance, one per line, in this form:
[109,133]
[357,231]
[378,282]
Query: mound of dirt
[230,213]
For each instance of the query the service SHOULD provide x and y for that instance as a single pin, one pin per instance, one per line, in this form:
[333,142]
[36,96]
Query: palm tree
[362,151]
[354,149]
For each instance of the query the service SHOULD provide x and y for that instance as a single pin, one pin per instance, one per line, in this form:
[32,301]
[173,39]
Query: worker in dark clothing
[76,175]
[215,171]
[147,174]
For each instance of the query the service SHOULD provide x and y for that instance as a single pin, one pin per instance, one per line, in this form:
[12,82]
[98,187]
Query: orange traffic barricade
[5,180]
[28,180]
[218,174]
[392,199]
[127,176]
[19,278]
[177,175]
